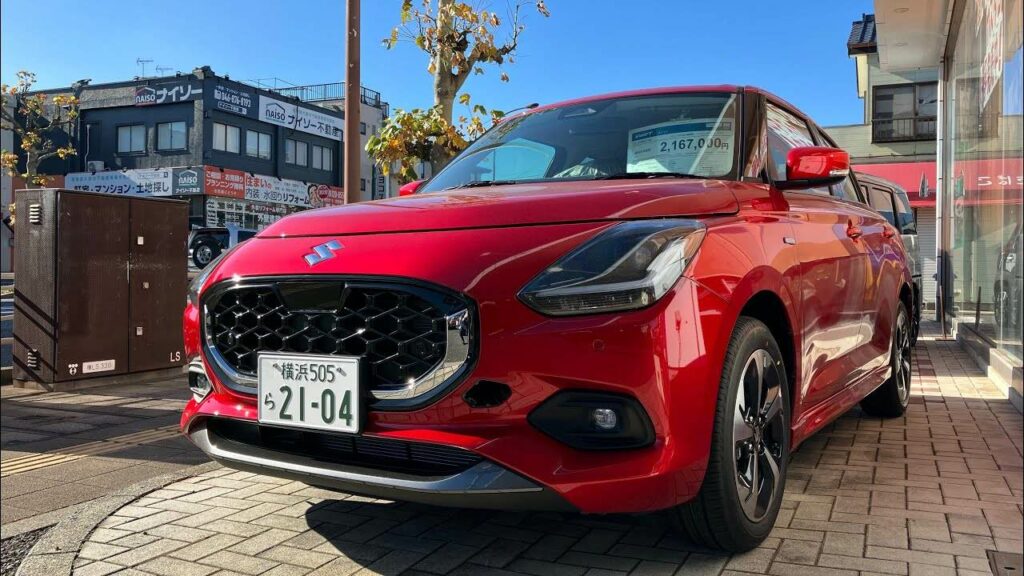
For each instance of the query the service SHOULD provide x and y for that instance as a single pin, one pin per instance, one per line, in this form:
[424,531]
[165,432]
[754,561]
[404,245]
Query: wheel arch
[769,308]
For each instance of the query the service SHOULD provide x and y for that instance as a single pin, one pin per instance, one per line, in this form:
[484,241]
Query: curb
[54,554]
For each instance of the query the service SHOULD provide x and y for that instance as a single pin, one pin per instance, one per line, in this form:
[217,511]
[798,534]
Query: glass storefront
[983,106]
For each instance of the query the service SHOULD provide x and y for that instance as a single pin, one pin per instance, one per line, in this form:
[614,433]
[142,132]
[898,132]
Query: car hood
[516,205]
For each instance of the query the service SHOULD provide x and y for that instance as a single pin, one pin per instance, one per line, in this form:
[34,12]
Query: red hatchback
[633,302]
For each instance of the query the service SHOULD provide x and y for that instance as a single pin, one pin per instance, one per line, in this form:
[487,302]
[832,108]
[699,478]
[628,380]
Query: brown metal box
[78,264]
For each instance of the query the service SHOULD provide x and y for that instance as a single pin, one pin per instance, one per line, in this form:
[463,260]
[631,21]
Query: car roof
[864,177]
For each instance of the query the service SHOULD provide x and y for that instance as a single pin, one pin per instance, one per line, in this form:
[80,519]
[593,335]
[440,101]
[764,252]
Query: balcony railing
[332,91]
[907,129]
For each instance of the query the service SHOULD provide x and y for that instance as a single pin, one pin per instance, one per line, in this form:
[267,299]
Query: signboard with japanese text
[233,100]
[223,182]
[289,115]
[169,93]
[139,182]
[187,181]
[988,180]
[321,195]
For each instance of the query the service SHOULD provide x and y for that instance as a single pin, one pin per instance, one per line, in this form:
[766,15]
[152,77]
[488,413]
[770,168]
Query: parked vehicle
[1008,291]
[891,201]
[206,244]
[624,303]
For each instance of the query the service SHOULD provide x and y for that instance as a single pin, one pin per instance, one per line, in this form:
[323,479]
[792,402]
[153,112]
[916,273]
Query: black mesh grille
[398,333]
[413,458]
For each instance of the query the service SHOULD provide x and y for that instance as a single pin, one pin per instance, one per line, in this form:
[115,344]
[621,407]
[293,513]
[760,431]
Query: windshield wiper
[482,183]
[643,175]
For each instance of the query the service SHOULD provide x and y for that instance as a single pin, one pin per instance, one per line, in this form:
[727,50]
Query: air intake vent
[35,213]
[32,359]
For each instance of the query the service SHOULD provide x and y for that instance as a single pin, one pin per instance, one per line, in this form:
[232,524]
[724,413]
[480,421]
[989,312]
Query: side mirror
[813,166]
[410,188]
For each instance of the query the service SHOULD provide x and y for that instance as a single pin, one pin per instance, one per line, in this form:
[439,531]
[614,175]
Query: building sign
[224,182]
[233,100]
[996,179]
[989,27]
[140,182]
[323,195]
[249,215]
[274,111]
[187,181]
[167,93]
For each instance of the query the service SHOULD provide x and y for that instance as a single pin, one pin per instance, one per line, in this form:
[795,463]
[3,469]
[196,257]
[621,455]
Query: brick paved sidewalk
[924,495]
[59,449]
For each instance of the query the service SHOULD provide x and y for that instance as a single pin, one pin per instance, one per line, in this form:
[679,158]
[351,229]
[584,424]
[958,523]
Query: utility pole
[352,102]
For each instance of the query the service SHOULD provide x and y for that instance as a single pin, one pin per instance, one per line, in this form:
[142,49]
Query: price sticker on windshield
[703,147]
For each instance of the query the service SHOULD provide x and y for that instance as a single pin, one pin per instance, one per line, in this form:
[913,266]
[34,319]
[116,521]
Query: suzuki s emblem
[323,252]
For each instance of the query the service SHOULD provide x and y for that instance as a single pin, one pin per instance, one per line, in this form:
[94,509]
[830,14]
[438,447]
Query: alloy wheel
[204,254]
[901,366]
[758,435]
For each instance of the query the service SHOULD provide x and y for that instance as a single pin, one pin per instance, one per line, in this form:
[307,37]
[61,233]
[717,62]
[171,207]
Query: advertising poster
[222,182]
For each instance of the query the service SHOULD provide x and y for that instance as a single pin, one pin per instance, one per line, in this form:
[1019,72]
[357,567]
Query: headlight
[196,285]
[626,267]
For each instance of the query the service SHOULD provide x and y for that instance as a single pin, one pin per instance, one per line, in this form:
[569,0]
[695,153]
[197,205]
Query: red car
[626,303]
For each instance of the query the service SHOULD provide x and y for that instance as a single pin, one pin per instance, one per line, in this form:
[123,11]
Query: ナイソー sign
[274,111]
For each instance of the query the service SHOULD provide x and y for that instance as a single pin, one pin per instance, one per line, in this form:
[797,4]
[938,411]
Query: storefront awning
[991,181]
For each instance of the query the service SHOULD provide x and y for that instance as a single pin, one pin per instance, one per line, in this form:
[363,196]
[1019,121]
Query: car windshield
[667,135]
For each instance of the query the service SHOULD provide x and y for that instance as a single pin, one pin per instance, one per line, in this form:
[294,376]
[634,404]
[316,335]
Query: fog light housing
[605,418]
[198,382]
[589,420]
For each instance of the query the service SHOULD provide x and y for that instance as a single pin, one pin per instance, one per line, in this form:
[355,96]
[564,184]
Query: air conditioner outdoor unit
[95,165]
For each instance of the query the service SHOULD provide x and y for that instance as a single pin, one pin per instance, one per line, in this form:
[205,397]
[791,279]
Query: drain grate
[1006,563]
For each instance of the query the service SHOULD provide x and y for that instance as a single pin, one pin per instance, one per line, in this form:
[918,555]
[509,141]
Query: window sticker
[703,147]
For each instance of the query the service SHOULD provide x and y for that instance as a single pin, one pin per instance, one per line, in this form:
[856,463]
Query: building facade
[239,154]
[896,139]
[976,48]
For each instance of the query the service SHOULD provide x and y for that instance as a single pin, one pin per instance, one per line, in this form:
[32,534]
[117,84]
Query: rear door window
[881,201]
[906,222]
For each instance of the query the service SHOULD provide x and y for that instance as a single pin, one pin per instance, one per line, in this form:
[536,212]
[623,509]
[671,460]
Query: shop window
[171,136]
[904,112]
[257,144]
[296,152]
[131,139]
[322,157]
[226,138]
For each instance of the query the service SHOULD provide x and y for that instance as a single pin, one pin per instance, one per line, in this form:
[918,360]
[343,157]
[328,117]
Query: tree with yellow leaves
[37,120]
[459,40]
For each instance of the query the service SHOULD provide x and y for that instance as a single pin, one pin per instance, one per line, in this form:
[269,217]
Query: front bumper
[484,485]
[668,357]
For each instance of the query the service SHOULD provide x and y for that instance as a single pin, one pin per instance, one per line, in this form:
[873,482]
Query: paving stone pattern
[927,494]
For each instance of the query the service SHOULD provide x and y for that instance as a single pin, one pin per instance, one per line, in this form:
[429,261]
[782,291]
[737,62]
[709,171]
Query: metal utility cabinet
[101,284]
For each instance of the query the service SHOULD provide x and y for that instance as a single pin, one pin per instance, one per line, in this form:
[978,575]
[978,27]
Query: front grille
[399,332]
[413,458]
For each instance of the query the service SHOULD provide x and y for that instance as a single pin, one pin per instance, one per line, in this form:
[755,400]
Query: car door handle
[853,231]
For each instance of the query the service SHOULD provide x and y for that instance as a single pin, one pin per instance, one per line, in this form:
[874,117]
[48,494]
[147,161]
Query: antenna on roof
[161,69]
[142,62]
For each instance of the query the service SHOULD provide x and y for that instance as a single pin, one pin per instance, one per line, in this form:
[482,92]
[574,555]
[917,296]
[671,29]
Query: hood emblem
[323,252]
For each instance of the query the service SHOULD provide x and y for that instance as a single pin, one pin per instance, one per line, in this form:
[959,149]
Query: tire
[721,517]
[204,253]
[890,400]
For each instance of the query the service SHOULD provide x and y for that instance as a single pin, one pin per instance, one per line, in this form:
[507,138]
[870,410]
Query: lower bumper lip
[484,485]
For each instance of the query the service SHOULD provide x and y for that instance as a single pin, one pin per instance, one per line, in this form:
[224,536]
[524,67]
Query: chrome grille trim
[459,353]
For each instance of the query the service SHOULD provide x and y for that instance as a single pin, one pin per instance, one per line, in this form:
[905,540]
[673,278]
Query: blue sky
[796,49]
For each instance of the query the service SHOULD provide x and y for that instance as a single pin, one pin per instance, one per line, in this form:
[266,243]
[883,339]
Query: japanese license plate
[305,391]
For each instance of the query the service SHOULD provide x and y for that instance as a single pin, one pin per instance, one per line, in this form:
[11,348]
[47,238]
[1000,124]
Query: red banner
[224,182]
[994,177]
